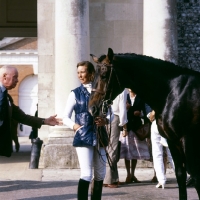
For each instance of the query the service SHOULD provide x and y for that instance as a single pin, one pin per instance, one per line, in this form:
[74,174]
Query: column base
[58,151]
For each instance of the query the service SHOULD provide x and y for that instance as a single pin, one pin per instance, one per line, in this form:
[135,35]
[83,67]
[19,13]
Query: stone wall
[188,14]
[116,24]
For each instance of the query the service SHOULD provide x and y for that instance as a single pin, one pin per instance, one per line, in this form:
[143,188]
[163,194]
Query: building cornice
[17,52]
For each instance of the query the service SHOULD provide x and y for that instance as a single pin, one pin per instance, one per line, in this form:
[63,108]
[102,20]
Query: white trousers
[90,157]
[157,152]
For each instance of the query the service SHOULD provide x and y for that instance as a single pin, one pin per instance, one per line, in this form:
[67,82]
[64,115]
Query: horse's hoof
[190,182]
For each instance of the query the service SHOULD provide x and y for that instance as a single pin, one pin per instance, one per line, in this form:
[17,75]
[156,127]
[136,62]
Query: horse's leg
[180,169]
[192,151]
[197,185]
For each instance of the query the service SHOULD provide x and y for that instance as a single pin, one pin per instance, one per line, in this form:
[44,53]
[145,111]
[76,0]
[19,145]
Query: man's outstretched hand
[52,121]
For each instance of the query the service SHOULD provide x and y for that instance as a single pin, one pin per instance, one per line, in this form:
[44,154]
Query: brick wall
[188,14]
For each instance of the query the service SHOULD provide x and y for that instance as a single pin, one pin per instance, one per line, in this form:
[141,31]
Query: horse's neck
[145,84]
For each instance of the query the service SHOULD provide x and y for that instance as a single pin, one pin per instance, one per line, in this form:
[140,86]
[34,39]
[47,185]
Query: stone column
[46,61]
[71,46]
[160,29]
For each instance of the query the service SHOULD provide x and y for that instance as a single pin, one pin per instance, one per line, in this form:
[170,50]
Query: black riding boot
[96,190]
[83,189]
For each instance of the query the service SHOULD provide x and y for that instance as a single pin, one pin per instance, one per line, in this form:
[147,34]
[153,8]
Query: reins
[105,106]
[105,92]
[98,131]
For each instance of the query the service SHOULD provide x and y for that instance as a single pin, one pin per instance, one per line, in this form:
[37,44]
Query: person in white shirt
[90,153]
[119,123]
[158,144]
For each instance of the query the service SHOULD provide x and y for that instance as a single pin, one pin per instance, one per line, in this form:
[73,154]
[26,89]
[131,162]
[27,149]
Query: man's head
[8,77]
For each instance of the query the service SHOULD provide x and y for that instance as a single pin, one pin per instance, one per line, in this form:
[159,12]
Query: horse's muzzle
[94,111]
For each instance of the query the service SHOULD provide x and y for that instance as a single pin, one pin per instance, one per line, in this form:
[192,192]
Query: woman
[132,148]
[85,139]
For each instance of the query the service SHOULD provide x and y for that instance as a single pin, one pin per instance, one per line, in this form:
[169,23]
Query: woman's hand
[76,126]
[124,133]
[152,116]
[100,121]
[137,113]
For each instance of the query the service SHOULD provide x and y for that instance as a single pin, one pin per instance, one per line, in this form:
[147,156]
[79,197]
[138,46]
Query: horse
[172,91]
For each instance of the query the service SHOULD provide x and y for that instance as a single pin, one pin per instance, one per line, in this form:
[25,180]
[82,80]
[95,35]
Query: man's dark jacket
[12,112]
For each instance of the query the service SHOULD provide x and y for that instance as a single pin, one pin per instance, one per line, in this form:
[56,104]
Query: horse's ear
[95,59]
[110,54]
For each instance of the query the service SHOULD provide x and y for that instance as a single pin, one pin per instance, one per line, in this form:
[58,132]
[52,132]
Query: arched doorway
[28,99]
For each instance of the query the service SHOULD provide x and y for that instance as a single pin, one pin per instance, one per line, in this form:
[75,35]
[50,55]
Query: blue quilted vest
[85,136]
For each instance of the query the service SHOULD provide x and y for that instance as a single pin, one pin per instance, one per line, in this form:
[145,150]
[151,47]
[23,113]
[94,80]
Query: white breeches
[157,152]
[90,157]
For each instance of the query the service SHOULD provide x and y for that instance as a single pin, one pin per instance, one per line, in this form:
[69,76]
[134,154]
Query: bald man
[8,111]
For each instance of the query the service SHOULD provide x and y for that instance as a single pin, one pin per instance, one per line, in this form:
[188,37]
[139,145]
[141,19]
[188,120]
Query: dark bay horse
[173,92]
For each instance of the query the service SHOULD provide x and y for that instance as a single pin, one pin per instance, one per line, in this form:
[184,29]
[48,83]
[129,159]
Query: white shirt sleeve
[122,108]
[68,111]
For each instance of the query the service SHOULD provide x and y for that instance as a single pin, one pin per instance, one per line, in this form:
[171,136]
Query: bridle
[106,103]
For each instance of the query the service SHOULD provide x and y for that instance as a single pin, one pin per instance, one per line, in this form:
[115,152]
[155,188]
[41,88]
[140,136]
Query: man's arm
[29,120]
[23,118]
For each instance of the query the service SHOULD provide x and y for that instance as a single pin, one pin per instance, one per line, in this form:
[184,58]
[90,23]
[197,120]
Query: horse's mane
[162,64]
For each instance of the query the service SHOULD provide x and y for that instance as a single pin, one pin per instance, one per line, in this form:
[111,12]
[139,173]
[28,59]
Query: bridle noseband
[107,103]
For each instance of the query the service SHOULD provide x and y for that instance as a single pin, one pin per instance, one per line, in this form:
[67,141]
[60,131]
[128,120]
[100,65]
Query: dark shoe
[128,180]
[122,183]
[135,180]
[17,147]
[190,182]
[154,180]
[113,185]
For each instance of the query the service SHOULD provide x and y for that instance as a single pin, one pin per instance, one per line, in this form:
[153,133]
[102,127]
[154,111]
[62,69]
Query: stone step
[58,152]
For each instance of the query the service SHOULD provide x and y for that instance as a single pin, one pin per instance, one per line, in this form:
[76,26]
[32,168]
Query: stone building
[58,34]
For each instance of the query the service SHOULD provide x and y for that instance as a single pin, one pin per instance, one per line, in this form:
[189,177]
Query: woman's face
[83,74]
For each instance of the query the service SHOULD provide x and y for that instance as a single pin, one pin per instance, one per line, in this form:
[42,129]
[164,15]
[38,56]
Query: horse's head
[102,89]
